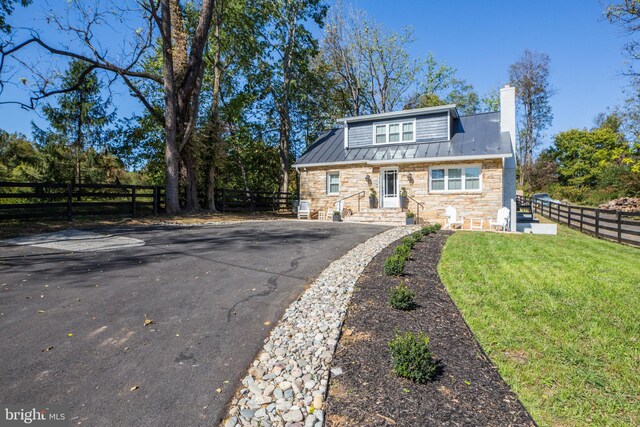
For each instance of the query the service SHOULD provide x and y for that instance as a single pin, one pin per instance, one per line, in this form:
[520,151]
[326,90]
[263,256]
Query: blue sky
[480,39]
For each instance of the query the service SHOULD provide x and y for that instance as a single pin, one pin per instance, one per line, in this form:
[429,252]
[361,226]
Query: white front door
[389,187]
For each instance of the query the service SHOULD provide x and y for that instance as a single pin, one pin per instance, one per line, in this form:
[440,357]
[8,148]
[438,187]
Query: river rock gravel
[287,383]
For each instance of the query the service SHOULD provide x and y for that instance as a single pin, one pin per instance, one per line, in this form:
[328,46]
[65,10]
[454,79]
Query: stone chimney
[508,113]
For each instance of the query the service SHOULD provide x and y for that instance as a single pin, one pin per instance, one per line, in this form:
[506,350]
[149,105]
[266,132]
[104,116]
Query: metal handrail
[418,204]
[353,195]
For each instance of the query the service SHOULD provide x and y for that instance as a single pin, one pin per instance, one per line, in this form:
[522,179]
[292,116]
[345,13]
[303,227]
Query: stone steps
[386,216]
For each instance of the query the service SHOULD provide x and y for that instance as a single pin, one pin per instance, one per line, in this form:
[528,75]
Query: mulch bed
[468,390]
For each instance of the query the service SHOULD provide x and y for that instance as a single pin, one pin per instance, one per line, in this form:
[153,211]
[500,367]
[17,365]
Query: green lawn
[559,316]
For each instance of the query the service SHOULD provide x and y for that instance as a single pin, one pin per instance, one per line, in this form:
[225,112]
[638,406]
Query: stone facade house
[434,156]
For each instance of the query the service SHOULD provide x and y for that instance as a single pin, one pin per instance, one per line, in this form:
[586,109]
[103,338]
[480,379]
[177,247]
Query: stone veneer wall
[484,204]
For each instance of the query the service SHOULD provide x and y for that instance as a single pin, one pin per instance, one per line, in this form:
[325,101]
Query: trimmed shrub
[408,241]
[394,265]
[403,251]
[401,297]
[411,357]
[417,236]
[425,231]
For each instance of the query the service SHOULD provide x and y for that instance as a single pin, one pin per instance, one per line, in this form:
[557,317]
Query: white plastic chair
[451,214]
[304,209]
[502,219]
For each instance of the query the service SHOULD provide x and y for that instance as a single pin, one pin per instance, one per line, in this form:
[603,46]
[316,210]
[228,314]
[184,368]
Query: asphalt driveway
[72,324]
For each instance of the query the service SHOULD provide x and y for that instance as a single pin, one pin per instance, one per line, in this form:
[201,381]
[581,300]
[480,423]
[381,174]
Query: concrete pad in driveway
[72,323]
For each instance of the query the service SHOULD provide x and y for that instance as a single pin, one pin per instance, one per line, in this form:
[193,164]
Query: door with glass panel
[389,188]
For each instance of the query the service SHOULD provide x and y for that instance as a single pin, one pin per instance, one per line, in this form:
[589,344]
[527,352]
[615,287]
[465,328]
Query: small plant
[394,265]
[425,231]
[410,214]
[336,213]
[417,236]
[372,192]
[403,250]
[403,191]
[411,358]
[409,241]
[401,297]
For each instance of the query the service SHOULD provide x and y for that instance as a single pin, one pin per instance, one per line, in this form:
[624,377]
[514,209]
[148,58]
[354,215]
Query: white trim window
[394,133]
[456,178]
[333,183]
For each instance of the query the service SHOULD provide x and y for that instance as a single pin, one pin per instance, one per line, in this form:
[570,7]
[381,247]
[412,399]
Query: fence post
[569,216]
[133,201]
[581,217]
[69,201]
[619,213]
[156,201]
[597,223]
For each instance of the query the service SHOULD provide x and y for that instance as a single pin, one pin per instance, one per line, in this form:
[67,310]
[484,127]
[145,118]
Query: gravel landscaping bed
[364,391]
[287,383]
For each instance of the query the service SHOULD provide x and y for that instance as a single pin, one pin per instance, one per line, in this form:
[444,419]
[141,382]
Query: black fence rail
[253,201]
[621,227]
[27,201]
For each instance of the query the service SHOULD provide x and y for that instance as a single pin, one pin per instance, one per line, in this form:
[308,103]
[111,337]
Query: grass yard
[559,316]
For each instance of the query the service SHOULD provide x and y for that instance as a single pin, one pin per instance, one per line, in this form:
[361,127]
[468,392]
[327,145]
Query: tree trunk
[172,154]
[283,150]
[188,157]
[211,188]
[214,136]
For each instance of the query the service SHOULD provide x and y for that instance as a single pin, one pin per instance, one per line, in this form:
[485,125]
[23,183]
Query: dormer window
[389,133]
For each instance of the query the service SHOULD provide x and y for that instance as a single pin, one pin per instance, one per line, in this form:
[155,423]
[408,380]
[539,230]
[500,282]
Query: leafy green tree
[287,48]
[78,122]
[583,155]
[19,158]
[440,86]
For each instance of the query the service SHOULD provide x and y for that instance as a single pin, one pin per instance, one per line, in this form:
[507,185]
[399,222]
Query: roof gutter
[403,113]
[404,161]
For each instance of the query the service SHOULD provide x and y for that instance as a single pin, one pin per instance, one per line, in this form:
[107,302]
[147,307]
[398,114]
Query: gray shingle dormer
[419,125]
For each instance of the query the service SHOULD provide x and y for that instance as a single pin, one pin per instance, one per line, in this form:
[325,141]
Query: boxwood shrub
[401,297]
[403,251]
[408,241]
[394,265]
[411,358]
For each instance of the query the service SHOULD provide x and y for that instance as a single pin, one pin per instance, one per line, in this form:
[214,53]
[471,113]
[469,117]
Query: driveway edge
[288,381]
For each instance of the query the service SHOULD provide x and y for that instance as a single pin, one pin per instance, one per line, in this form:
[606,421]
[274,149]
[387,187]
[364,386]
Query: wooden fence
[28,201]
[254,201]
[622,227]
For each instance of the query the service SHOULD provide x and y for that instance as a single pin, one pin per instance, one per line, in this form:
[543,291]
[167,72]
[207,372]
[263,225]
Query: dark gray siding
[360,134]
[433,127]
[429,128]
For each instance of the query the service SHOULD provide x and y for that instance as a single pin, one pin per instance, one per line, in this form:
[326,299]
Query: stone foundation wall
[482,204]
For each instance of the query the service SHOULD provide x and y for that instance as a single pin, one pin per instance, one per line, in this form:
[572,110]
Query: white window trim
[386,132]
[328,183]
[446,178]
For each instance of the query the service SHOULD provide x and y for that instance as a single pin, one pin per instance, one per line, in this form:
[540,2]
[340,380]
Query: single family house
[421,160]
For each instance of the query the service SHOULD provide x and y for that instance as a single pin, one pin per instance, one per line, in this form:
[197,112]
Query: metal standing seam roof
[476,135]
